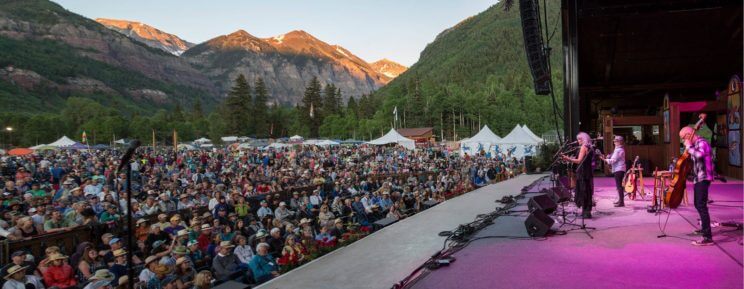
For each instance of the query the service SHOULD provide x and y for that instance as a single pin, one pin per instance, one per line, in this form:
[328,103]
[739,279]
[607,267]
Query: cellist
[703,170]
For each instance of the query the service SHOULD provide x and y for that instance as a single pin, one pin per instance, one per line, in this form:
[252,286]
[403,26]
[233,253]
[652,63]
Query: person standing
[703,170]
[584,174]
[617,161]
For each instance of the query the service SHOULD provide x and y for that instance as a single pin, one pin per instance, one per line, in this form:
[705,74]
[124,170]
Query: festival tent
[121,141]
[532,134]
[394,137]
[185,146]
[76,146]
[278,145]
[518,143]
[64,141]
[296,138]
[320,142]
[202,141]
[484,140]
[229,138]
[43,147]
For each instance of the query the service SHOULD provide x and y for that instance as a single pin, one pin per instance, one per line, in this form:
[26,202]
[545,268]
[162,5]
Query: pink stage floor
[625,251]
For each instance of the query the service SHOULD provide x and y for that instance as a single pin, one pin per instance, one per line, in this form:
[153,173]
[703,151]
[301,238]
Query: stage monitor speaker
[533,45]
[542,203]
[538,224]
[558,194]
[232,285]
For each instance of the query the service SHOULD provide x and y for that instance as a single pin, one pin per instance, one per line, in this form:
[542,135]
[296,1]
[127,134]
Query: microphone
[133,145]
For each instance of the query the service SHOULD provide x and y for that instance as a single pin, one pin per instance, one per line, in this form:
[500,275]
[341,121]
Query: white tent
[37,146]
[320,142]
[296,138]
[229,138]
[394,137]
[202,141]
[484,140]
[120,141]
[186,146]
[532,134]
[518,143]
[64,141]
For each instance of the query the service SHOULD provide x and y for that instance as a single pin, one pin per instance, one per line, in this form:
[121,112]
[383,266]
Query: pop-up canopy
[394,137]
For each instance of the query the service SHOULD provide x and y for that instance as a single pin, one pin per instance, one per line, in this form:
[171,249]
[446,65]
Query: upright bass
[682,168]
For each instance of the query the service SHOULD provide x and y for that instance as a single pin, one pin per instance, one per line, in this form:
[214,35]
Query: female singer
[584,177]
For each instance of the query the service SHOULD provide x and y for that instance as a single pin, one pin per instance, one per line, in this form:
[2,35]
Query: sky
[374,29]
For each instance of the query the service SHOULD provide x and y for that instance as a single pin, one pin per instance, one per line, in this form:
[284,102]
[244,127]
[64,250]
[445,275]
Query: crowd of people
[207,216]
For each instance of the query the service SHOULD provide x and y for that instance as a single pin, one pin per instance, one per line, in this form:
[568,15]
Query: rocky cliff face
[148,35]
[286,63]
[35,21]
[388,68]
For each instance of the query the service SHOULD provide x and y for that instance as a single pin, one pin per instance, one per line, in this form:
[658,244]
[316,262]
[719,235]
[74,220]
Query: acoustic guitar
[630,178]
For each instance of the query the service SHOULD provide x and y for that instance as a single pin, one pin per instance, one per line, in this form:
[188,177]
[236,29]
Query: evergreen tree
[237,106]
[330,100]
[196,111]
[260,110]
[352,108]
[312,104]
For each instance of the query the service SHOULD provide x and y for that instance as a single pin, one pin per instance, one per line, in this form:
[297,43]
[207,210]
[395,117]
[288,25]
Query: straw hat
[56,256]
[161,270]
[227,244]
[206,227]
[150,259]
[120,252]
[14,269]
[141,221]
[338,220]
[175,217]
[103,274]
[181,260]
[305,221]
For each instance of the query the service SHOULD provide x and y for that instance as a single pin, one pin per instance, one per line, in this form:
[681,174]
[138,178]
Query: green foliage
[312,107]
[471,75]
[236,107]
[260,111]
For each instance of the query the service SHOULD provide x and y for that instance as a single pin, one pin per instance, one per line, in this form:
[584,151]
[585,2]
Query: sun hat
[206,227]
[305,221]
[102,274]
[150,259]
[192,242]
[226,244]
[175,217]
[15,269]
[161,269]
[113,241]
[120,252]
[261,233]
[141,221]
[56,256]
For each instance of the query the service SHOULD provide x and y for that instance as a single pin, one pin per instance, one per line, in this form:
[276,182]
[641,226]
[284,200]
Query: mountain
[48,54]
[472,74]
[285,62]
[388,67]
[148,35]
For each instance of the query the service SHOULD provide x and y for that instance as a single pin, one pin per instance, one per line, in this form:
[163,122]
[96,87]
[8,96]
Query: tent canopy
[394,137]
[64,141]
[202,140]
[532,134]
[295,138]
[229,138]
[320,142]
[518,136]
[484,140]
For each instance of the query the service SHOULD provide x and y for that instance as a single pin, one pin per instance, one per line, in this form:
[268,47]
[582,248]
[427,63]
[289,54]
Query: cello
[682,168]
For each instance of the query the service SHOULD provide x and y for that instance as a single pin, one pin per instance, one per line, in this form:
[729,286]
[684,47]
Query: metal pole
[130,233]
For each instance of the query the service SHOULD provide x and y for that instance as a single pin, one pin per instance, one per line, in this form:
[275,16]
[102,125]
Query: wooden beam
[650,86]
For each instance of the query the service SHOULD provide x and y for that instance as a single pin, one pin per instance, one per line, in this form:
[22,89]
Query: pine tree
[312,103]
[196,111]
[260,110]
[237,106]
[352,108]
[330,101]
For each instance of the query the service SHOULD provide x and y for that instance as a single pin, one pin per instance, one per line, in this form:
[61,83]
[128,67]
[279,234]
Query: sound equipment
[232,285]
[558,194]
[538,224]
[529,164]
[533,45]
[381,223]
[542,203]
[429,204]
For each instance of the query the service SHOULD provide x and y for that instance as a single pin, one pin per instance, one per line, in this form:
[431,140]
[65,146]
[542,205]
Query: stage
[625,251]
[390,254]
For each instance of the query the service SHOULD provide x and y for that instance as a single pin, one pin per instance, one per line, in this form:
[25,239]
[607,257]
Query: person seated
[293,252]
[226,266]
[262,265]
[16,278]
[59,274]
[325,239]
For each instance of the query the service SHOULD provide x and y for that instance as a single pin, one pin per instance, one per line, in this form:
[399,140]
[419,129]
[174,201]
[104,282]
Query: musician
[584,177]
[703,170]
[617,161]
